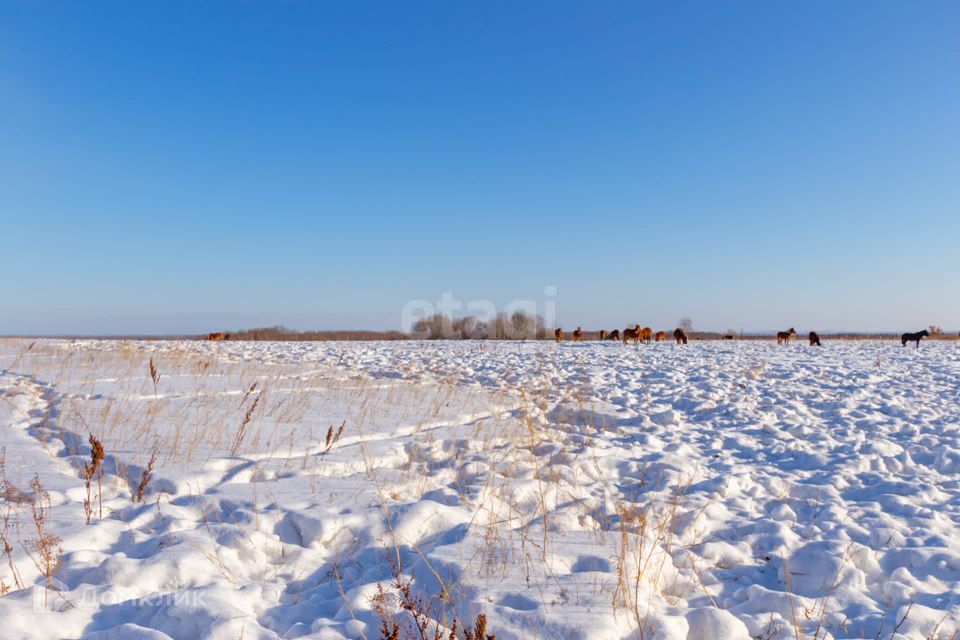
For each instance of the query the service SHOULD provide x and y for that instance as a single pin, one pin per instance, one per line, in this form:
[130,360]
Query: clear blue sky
[181,166]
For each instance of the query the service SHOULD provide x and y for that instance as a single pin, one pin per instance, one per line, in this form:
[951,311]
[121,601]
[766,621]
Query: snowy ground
[718,490]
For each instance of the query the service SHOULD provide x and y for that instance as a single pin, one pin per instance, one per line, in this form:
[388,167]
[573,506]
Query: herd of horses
[638,334]
[645,334]
[783,337]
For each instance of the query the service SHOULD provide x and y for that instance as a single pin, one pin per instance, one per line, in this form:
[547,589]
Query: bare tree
[462,326]
[469,328]
[481,331]
[435,327]
[686,324]
[519,322]
[542,332]
[499,327]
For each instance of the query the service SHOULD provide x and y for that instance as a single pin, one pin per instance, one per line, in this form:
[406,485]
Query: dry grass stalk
[633,521]
[479,631]
[13,498]
[821,623]
[423,622]
[215,558]
[89,470]
[420,623]
[798,633]
[46,544]
[246,395]
[652,533]
[693,569]
[248,416]
[343,596]
[145,478]
[154,375]
[333,437]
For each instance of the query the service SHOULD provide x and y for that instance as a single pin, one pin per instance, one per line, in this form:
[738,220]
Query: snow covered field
[718,490]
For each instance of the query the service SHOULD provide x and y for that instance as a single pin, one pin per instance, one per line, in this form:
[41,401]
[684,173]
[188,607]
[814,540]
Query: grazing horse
[814,338]
[661,336]
[578,335]
[215,336]
[783,337]
[603,334]
[614,335]
[914,337]
[729,336]
[647,334]
[558,334]
[680,336]
[635,334]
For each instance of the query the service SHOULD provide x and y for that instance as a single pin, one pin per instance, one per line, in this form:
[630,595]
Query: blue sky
[183,167]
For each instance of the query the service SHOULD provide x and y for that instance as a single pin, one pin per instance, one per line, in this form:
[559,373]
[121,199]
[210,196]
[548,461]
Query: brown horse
[729,336]
[783,337]
[603,334]
[647,335]
[914,337]
[578,335]
[635,334]
[814,338]
[614,335]
[680,336]
[215,336]
[558,334]
[661,336]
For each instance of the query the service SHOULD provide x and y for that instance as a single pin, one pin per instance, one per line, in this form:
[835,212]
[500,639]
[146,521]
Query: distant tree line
[518,325]
[280,333]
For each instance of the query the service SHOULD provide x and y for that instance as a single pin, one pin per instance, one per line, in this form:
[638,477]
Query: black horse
[914,337]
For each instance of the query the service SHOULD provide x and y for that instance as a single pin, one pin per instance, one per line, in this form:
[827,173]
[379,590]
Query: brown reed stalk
[89,470]
[248,416]
[145,478]
[155,376]
[332,436]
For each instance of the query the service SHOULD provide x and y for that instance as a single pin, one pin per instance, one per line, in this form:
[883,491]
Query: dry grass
[406,615]
[13,500]
[46,545]
[333,437]
[154,376]
[247,417]
[145,478]
[94,468]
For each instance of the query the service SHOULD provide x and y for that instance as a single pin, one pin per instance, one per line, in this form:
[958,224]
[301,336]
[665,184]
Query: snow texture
[591,490]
